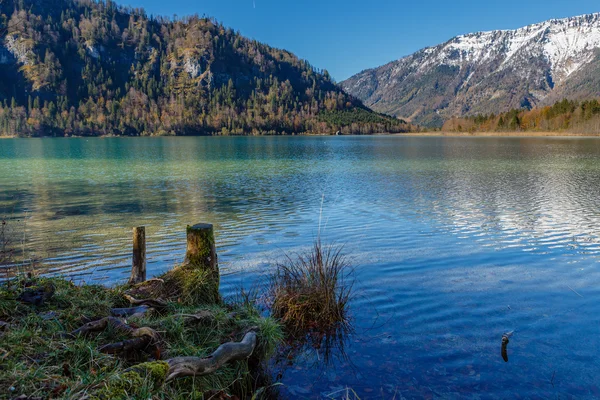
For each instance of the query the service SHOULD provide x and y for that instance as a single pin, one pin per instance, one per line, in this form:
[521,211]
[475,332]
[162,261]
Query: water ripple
[456,241]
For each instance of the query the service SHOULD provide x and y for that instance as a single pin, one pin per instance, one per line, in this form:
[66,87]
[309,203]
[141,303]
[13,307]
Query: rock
[48,315]
[36,295]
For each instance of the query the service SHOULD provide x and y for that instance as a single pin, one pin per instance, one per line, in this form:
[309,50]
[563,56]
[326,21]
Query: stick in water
[505,341]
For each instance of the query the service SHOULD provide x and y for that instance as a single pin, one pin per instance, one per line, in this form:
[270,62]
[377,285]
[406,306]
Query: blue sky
[347,36]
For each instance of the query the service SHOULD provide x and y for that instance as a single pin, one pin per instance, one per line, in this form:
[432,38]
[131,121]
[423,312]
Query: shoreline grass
[42,358]
[39,360]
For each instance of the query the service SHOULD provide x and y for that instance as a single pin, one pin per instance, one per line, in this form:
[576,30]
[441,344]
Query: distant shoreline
[498,134]
[406,134]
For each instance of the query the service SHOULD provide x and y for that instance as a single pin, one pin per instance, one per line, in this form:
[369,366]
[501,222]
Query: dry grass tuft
[310,292]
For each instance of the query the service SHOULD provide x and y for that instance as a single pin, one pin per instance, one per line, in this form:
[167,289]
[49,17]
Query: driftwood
[180,367]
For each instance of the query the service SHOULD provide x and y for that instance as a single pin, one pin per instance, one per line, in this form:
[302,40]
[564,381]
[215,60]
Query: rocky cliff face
[488,72]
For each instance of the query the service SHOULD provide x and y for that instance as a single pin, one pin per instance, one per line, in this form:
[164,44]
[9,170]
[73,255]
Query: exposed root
[142,338]
[81,342]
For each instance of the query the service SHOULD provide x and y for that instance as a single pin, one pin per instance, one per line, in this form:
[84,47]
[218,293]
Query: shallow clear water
[456,241]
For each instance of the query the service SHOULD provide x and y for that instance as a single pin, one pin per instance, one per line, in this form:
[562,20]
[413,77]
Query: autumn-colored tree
[565,115]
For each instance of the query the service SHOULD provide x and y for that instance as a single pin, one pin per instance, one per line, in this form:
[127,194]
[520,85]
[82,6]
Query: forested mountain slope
[82,67]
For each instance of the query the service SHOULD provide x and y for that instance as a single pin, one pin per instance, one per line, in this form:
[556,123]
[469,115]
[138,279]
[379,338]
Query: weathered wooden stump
[201,250]
[138,265]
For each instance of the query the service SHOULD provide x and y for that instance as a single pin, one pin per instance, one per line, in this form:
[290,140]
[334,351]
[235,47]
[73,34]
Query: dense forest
[566,115]
[86,67]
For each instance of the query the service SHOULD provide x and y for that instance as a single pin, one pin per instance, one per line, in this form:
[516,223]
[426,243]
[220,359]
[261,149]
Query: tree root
[202,317]
[180,367]
[142,338]
[126,346]
[102,324]
[148,340]
[199,317]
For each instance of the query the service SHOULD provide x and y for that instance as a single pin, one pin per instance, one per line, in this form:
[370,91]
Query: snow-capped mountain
[488,72]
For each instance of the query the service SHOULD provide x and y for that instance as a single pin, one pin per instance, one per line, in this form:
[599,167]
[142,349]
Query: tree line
[565,115]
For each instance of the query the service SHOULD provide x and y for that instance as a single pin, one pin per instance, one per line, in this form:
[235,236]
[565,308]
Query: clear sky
[347,36]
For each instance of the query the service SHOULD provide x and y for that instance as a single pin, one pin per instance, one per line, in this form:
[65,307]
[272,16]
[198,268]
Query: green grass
[37,360]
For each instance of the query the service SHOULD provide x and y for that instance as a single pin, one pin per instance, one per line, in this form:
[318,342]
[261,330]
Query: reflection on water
[457,241]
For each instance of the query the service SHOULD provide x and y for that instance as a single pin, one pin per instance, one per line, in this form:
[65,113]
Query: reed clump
[7,242]
[310,291]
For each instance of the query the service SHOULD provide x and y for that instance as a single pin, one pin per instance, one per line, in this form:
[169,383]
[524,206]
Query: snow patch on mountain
[483,72]
[567,44]
[20,49]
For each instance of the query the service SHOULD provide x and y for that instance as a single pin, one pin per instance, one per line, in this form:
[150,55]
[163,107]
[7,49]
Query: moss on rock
[156,371]
[124,386]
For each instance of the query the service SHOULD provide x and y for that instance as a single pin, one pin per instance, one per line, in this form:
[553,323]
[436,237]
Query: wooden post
[201,250]
[138,266]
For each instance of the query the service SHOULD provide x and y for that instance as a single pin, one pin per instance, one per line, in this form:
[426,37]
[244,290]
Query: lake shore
[406,134]
[496,134]
[103,343]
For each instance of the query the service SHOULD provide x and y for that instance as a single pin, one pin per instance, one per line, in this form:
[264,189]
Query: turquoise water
[455,240]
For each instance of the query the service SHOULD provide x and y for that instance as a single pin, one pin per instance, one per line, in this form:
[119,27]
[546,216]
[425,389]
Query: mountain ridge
[486,72]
